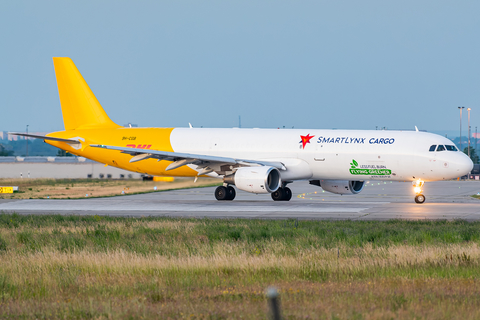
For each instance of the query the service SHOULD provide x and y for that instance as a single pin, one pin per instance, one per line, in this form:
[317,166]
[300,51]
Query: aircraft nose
[464,164]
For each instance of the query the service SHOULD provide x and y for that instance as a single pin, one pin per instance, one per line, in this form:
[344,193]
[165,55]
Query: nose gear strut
[417,187]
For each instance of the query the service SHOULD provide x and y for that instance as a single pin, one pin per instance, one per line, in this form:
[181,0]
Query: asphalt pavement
[378,201]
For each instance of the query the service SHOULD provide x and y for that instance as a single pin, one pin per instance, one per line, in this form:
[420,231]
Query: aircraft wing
[206,163]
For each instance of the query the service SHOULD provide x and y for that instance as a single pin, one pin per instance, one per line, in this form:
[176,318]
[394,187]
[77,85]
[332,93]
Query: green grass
[293,234]
[78,267]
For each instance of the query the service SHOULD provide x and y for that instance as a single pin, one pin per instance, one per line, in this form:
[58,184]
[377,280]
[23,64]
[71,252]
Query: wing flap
[140,157]
[180,163]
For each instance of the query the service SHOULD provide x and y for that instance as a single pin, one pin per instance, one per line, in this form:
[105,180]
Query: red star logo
[306,139]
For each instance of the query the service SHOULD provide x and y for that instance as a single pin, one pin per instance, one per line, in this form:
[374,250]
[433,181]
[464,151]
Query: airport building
[60,168]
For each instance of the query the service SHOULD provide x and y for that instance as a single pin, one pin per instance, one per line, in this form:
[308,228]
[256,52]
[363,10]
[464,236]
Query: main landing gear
[417,187]
[228,193]
[225,193]
[282,194]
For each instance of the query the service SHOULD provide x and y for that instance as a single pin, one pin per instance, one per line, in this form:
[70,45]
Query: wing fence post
[274,303]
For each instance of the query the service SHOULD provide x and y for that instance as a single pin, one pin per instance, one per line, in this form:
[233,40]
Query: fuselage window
[451,148]
[440,148]
[432,148]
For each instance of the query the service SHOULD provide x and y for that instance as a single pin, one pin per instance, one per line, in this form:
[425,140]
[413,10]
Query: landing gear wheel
[419,198]
[231,193]
[278,195]
[417,187]
[282,194]
[288,194]
[221,193]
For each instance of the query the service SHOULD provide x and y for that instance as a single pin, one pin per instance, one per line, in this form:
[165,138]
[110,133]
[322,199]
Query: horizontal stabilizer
[70,141]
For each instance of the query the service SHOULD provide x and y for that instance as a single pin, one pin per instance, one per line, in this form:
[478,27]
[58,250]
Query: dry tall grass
[78,188]
[215,277]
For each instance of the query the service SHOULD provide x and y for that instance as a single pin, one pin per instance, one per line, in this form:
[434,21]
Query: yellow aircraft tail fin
[80,108]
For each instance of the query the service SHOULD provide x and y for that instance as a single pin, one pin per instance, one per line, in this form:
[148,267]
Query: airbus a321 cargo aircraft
[253,160]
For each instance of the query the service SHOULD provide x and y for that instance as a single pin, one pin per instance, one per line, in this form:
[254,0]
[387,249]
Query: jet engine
[340,186]
[255,179]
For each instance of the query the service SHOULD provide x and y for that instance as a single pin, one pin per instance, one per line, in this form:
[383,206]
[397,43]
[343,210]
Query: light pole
[468,109]
[476,139]
[26,139]
[461,108]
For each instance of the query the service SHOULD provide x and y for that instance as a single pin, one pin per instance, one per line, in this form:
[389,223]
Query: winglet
[416,129]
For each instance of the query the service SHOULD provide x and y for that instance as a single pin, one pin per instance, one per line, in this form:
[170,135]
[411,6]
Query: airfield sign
[6,189]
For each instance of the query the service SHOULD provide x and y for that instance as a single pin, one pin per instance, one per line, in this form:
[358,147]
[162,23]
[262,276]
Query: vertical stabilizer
[80,108]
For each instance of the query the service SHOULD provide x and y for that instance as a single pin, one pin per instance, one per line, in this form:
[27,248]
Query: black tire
[221,193]
[420,198]
[288,194]
[278,195]
[231,193]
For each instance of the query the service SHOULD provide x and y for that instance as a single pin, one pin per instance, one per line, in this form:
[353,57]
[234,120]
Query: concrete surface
[378,201]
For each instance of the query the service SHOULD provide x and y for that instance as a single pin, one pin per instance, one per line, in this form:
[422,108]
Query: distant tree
[4,152]
[36,147]
[473,154]
[63,153]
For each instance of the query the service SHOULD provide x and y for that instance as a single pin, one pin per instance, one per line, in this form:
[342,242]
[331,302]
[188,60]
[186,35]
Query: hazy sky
[308,64]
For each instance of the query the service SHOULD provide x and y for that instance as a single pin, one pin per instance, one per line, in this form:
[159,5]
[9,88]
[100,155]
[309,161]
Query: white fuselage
[332,154]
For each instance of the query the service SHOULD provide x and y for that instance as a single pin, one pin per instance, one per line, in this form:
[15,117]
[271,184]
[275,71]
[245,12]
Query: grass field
[74,267]
[79,188]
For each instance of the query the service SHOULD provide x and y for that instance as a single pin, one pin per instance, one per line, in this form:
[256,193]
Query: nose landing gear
[417,187]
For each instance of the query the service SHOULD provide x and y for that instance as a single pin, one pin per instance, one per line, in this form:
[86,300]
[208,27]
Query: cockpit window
[443,148]
[451,148]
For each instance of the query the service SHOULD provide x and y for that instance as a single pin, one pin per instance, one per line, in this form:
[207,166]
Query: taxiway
[378,201]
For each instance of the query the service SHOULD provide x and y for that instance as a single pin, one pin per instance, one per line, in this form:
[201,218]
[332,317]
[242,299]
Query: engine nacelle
[255,179]
[342,186]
